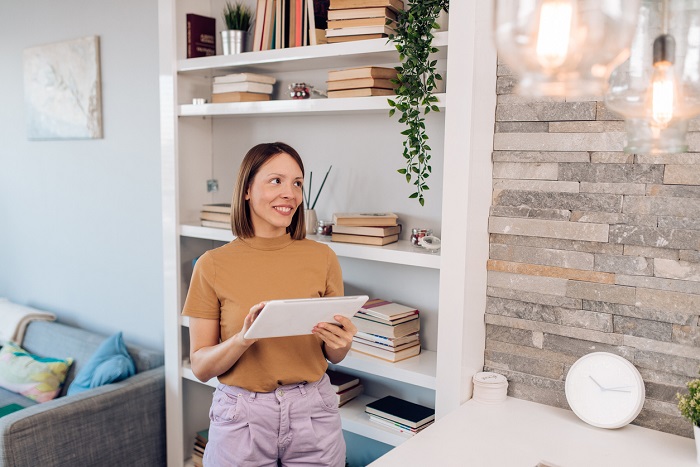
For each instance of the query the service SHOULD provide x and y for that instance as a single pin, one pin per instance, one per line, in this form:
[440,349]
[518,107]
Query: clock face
[604,390]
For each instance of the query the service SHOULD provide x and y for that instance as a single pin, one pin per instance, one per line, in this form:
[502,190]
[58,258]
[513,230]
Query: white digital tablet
[298,316]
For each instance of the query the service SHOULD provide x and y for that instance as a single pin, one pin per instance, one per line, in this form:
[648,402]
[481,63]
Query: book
[354,13]
[362,92]
[341,381]
[363,239]
[259,25]
[361,83]
[401,411]
[388,355]
[334,40]
[398,426]
[216,225]
[387,330]
[217,207]
[223,97]
[311,29]
[396,5]
[201,36]
[349,394]
[243,77]
[245,86]
[388,348]
[357,30]
[351,23]
[321,14]
[365,218]
[362,72]
[394,342]
[363,315]
[214,216]
[386,310]
[370,231]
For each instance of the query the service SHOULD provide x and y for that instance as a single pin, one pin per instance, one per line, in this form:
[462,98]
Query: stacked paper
[490,387]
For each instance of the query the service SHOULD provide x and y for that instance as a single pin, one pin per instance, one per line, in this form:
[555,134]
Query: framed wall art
[62,90]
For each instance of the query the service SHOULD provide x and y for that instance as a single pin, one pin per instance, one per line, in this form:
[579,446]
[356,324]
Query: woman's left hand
[336,337]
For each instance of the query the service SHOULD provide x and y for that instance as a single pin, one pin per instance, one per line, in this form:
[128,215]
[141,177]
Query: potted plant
[238,18]
[689,406]
[416,80]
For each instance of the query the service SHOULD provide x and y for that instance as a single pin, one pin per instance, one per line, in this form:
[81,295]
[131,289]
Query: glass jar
[417,234]
[324,227]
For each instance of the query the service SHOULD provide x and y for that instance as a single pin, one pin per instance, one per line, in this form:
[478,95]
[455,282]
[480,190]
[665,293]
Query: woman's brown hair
[257,156]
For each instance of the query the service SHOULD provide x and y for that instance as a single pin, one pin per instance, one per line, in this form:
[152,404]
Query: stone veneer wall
[591,249]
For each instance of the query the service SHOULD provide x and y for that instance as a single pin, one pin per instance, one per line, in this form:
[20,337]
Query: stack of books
[400,415]
[375,228]
[387,330]
[347,387]
[200,442]
[216,215]
[354,20]
[362,82]
[242,87]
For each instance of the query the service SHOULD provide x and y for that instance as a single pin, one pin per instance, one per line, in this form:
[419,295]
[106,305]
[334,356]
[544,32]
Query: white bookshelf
[401,252]
[339,106]
[190,145]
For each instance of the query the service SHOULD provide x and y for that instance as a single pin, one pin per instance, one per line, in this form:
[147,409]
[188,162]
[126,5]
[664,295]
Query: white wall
[80,220]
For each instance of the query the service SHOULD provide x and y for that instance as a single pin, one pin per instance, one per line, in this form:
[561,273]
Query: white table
[521,433]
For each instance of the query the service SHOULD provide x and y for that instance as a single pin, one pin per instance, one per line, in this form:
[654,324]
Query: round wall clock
[604,390]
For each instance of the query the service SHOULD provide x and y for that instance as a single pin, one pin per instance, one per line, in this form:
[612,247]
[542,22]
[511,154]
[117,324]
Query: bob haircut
[257,156]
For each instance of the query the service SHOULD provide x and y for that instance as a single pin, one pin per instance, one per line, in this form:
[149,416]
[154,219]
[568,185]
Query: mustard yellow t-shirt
[229,280]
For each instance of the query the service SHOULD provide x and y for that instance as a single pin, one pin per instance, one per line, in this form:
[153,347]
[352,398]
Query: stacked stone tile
[591,249]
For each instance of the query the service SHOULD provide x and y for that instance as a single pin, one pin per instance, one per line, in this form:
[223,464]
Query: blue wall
[80,225]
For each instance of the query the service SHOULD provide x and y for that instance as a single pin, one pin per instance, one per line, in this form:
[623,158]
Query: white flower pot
[696,431]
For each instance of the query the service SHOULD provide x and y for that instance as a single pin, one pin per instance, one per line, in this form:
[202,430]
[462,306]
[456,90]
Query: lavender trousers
[298,424]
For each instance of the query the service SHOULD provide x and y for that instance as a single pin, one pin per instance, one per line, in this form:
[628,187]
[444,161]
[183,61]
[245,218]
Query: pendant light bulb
[553,33]
[663,82]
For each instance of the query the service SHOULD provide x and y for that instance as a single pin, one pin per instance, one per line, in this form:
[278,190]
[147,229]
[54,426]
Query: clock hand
[619,390]
[619,387]
[597,383]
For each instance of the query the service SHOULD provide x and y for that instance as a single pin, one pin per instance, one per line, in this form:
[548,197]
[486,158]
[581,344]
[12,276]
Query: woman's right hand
[248,322]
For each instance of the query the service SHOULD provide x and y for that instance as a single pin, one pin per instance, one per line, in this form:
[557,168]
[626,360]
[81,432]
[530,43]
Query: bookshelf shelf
[355,420]
[187,374]
[344,55]
[401,252]
[418,370]
[291,107]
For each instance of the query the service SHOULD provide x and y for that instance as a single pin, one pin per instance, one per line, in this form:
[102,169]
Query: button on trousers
[298,424]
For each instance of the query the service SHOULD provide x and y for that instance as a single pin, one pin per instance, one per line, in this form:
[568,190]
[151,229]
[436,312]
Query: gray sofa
[117,424]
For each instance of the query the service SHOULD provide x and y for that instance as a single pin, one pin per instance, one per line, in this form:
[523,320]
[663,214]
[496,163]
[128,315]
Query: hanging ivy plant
[413,38]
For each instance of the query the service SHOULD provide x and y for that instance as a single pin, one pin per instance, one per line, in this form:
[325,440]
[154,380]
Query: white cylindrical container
[490,387]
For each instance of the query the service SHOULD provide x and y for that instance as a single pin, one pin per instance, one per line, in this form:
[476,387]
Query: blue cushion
[110,363]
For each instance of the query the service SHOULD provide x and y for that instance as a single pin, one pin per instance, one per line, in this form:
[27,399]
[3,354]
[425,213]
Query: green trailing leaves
[413,37]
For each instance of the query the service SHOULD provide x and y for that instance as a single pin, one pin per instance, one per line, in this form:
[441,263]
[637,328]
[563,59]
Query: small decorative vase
[233,41]
[696,431]
[310,219]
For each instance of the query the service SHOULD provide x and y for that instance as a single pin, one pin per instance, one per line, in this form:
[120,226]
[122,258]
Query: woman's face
[274,195]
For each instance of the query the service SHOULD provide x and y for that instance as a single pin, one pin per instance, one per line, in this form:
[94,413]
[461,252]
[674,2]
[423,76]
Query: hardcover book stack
[354,20]
[400,415]
[200,442]
[387,330]
[242,87]
[347,387]
[377,228]
[216,215]
[362,82]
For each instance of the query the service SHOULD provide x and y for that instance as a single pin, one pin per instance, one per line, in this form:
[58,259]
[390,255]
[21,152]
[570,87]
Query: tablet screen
[298,316]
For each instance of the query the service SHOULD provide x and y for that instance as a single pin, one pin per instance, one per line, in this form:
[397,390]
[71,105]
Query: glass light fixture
[564,47]
[657,89]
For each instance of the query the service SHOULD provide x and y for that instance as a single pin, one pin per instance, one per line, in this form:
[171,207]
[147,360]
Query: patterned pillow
[34,377]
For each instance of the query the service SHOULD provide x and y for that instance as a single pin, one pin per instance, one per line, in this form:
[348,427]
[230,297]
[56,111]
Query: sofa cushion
[9,397]
[38,378]
[110,363]
[59,340]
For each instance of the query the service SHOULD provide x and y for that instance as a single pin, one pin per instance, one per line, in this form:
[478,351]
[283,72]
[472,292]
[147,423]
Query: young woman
[274,401]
